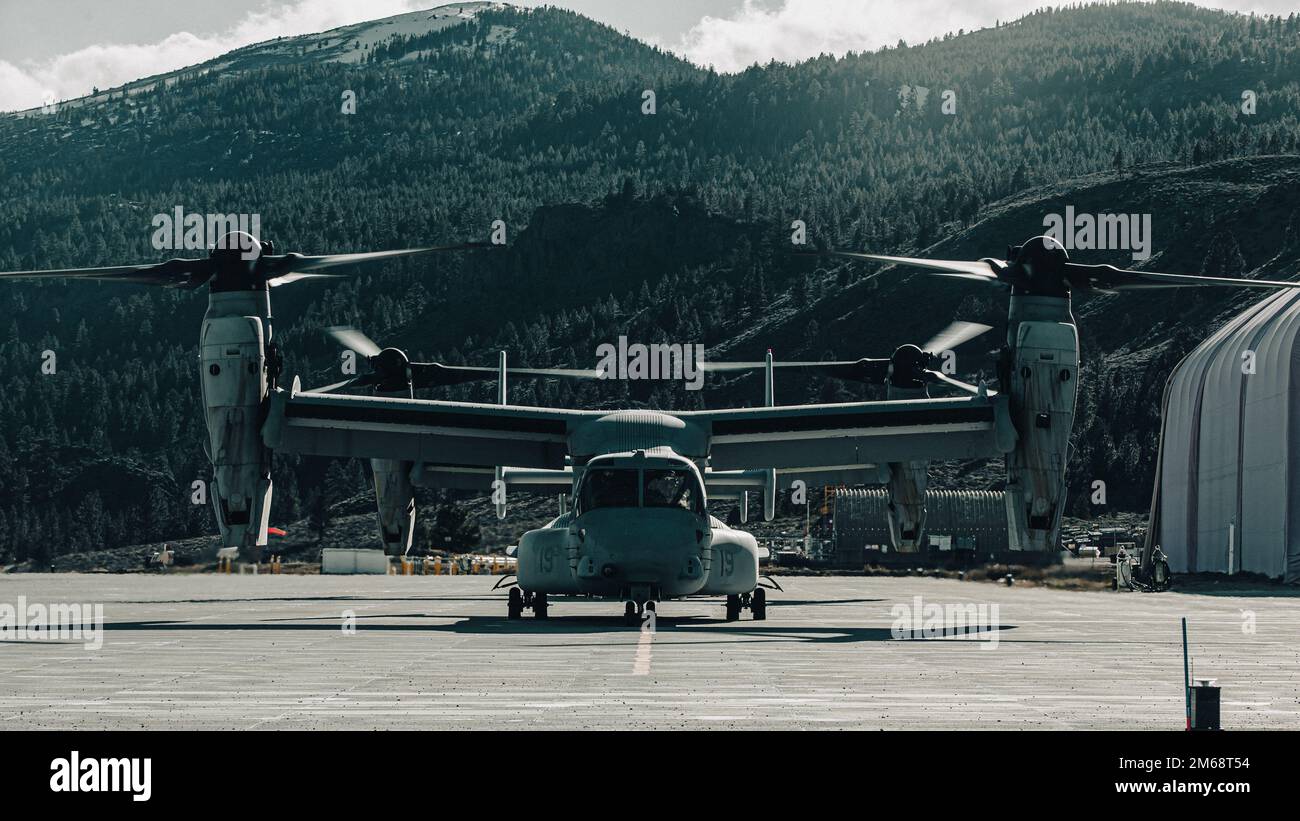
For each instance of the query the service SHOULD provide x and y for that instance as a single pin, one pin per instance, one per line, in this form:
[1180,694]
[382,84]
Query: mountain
[664,226]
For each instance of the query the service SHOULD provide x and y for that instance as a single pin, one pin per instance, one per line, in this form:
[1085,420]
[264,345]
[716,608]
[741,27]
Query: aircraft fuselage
[639,531]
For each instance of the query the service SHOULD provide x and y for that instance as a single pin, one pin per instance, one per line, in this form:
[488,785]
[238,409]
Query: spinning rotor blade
[856,370]
[295,276]
[1041,266]
[938,376]
[392,369]
[961,269]
[290,264]
[245,269]
[174,273]
[562,373]
[1110,278]
[435,374]
[958,333]
[354,340]
[878,370]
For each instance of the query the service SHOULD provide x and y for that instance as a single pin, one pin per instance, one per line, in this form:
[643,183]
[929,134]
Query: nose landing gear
[634,612]
[755,603]
[520,600]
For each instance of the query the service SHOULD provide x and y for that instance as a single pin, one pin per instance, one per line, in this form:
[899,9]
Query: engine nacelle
[733,567]
[1042,380]
[396,498]
[907,485]
[906,511]
[233,379]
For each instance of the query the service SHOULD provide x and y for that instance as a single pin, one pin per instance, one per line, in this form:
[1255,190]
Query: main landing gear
[755,602]
[634,612]
[520,601]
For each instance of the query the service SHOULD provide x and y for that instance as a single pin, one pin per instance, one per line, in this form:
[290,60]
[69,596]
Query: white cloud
[791,30]
[74,74]
[800,29]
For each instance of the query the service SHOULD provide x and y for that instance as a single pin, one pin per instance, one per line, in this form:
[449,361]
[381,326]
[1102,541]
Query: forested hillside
[671,226]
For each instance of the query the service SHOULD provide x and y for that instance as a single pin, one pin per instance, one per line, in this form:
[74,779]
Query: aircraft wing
[812,442]
[480,478]
[805,441]
[464,434]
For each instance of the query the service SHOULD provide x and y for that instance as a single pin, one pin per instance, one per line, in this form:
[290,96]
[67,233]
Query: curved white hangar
[1227,495]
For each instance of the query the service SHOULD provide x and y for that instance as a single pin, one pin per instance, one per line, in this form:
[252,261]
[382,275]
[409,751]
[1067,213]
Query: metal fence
[955,520]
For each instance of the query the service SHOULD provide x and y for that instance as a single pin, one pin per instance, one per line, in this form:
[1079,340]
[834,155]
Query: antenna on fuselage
[769,401]
[502,387]
[769,479]
[769,383]
[499,486]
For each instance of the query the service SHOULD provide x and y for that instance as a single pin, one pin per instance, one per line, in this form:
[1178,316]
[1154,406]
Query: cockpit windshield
[670,487]
[609,487]
[630,487]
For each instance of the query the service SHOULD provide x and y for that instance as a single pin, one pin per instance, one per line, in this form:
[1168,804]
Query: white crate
[346,560]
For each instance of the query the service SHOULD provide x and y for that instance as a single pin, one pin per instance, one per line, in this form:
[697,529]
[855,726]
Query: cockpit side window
[608,487]
[672,487]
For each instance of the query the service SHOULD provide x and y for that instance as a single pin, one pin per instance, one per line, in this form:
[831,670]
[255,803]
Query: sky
[60,49]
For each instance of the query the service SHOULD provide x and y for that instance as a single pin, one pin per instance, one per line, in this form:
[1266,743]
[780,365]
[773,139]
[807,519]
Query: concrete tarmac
[276,652]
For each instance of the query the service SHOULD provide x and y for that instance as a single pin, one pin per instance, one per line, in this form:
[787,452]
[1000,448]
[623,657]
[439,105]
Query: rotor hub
[393,369]
[235,261]
[1040,264]
[907,367]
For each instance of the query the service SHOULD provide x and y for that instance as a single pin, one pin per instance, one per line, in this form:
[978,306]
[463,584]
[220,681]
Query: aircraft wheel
[515,605]
[650,605]
[758,604]
[733,607]
[629,614]
[540,605]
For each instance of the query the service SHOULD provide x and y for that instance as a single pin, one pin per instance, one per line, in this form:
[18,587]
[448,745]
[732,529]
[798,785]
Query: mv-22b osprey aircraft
[639,529]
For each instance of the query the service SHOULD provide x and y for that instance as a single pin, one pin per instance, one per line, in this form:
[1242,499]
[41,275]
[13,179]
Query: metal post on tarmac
[1187,681]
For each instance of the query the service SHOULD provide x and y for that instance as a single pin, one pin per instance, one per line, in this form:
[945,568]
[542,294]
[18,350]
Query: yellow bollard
[437,566]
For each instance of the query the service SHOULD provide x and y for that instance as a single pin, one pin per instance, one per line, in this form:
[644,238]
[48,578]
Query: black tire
[540,605]
[733,608]
[515,604]
[758,605]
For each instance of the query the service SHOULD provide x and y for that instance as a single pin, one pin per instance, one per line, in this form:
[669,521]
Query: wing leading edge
[812,439]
